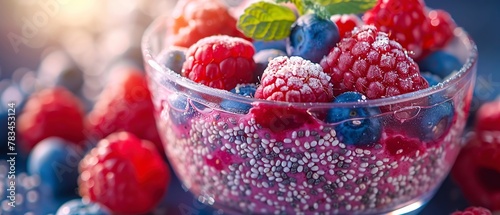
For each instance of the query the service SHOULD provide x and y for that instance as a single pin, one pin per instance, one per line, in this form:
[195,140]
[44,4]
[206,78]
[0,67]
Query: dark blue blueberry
[56,162]
[275,44]
[312,37]
[431,78]
[437,119]
[182,109]
[246,90]
[173,58]
[440,63]
[81,207]
[262,58]
[357,126]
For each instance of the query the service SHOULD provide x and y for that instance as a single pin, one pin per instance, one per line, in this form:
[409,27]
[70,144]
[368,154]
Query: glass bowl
[284,158]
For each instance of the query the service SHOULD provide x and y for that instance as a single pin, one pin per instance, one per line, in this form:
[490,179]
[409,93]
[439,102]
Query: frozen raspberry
[294,80]
[346,22]
[125,105]
[370,63]
[124,173]
[51,112]
[473,211]
[193,20]
[477,172]
[220,62]
[441,30]
[404,21]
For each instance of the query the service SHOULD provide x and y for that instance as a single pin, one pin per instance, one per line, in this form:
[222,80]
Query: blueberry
[357,126]
[440,63]
[246,90]
[173,58]
[437,119]
[30,197]
[312,37]
[182,109]
[262,58]
[431,78]
[263,45]
[56,162]
[81,207]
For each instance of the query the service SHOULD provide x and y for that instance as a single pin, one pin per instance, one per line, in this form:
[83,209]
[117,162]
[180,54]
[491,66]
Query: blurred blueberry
[173,58]
[59,69]
[357,126]
[29,196]
[431,78]
[437,119]
[82,207]
[246,90]
[275,44]
[262,58]
[312,37]
[56,162]
[440,63]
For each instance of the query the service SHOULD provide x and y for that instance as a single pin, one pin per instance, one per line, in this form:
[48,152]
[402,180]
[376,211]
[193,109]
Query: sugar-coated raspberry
[193,20]
[473,211]
[370,63]
[441,27]
[51,112]
[294,79]
[125,105]
[346,22]
[404,21]
[220,62]
[124,173]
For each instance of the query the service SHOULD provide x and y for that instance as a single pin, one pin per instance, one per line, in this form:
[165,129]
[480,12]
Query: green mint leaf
[266,21]
[331,7]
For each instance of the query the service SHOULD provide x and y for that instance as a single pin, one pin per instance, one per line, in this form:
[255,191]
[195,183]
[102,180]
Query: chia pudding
[287,158]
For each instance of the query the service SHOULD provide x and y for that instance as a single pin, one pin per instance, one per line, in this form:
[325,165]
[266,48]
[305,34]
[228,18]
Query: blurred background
[86,39]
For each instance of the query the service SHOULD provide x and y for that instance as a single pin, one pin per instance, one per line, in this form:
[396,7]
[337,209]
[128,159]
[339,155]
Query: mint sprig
[266,21]
[270,21]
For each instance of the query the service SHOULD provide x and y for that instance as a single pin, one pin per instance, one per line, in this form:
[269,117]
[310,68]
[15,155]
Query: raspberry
[124,173]
[51,112]
[220,62]
[346,23]
[294,80]
[403,21]
[398,144]
[370,63]
[473,211]
[487,122]
[441,30]
[193,20]
[125,105]
[477,172]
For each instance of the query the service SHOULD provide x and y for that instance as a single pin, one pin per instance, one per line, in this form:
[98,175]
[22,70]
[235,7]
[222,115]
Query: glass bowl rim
[151,60]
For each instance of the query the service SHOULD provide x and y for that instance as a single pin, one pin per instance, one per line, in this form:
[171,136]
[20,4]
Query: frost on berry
[294,80]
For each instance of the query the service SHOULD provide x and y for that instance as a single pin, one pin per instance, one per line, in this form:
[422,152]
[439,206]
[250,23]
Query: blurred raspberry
[51,112]
[124,173]
[193,20]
